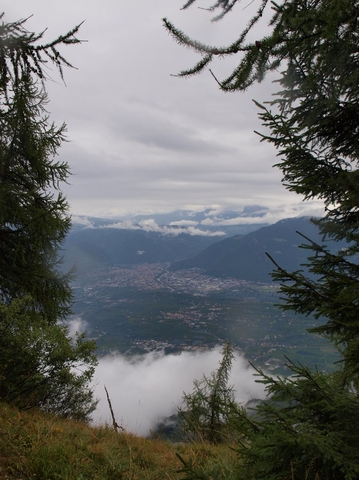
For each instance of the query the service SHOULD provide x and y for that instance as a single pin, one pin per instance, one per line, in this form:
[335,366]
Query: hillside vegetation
[35,445]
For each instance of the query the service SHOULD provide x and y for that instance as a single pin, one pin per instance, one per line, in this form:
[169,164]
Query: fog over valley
[146,389]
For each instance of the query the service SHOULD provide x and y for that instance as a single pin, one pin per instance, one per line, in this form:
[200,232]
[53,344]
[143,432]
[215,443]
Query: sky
[141,140]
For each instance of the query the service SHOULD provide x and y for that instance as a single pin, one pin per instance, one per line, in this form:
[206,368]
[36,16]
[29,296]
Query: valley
[140,308]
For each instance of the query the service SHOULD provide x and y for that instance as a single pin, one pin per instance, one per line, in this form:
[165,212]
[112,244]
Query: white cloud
[184,223]
[150,225]
[79,220]
[273,215]
[146,389]
[76,325]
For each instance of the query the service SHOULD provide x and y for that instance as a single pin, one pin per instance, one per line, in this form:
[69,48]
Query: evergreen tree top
[34,216]
[22,53]
[302,32]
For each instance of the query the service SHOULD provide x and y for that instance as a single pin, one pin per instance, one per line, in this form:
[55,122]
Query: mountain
[243,257]
[95,242]
[226,223]
[229,222]
[91,248]
[239,256]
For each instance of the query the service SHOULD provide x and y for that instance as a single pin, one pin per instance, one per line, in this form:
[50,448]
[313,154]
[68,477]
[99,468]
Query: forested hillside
[244,257]
[89,249]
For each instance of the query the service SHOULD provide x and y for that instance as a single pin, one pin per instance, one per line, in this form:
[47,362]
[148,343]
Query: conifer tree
[207,411]
[306,428]
[40,365]
[33,212]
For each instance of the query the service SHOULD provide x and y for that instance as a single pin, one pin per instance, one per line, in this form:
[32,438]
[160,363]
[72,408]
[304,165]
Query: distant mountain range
[91,248]
[93,242]
[206,222]
[229,222]
[244,257]
[239,256]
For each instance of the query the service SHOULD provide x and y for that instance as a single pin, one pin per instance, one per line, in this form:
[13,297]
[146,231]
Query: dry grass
[44,447]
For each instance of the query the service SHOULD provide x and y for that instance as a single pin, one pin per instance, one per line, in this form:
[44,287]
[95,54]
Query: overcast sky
[141,140]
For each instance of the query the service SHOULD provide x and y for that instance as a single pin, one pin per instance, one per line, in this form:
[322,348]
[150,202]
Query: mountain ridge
[239,256]
[244,257]
[89,249]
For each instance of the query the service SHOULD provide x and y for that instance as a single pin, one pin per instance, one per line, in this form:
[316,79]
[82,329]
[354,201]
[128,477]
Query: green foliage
[33,211]
[218,467]
[33,219]
[209,409]
[41,366]
[297,28]
[314,125]
[303,430]
[306,429]
[308,426]
[21,53]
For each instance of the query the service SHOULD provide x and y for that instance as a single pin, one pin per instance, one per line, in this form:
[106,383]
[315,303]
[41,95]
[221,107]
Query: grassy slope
[41,446]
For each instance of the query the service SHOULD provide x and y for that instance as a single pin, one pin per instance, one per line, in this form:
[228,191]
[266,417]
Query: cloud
[184,223]
[79,220]
[150,225]
[141,140]
[76,325]
[146,389]
[273,215]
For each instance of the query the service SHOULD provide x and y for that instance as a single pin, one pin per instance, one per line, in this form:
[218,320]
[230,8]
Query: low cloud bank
[175,228]
[215,218]
[146,389]
[264,215]
[82,220]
